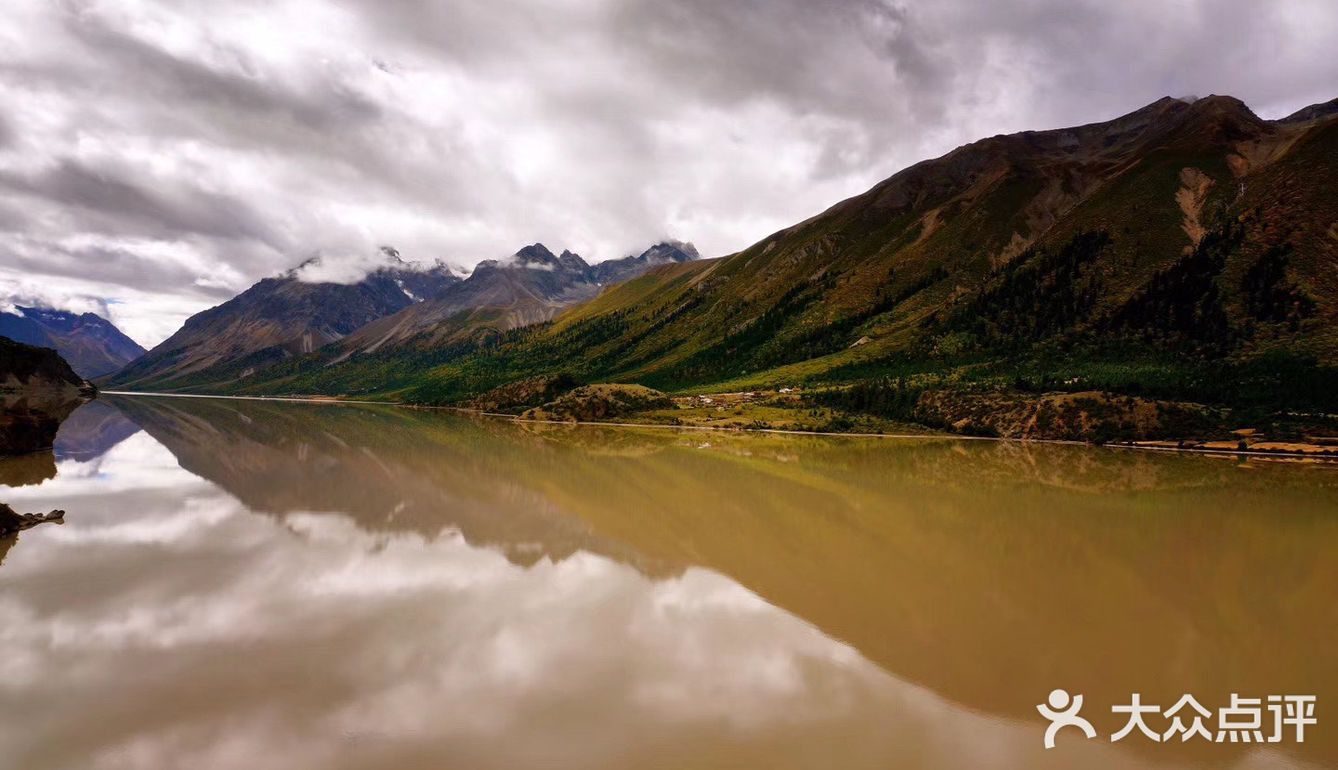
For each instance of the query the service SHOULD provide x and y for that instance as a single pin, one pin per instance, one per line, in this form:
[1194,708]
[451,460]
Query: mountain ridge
[1185,250]
[91,344]
[283,317]
[279,317]
[530,287]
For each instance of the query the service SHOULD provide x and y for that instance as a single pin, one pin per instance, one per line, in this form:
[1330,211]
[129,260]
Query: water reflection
[264,584]
[91,431]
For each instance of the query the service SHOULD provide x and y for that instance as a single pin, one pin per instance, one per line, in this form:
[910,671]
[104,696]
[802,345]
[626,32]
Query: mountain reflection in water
[268,584]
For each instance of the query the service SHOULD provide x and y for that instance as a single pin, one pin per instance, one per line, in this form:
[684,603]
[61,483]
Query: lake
[264,584]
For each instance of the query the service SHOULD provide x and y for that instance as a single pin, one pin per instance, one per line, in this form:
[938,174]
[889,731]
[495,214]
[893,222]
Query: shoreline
[1160,447]
[298,399]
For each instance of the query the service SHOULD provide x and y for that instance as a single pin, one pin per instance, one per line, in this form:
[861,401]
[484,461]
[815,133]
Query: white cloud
[346,268]
[26,292]
[144,316]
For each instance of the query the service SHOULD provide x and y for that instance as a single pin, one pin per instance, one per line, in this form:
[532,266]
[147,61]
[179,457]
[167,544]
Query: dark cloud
[170,153]
[11,219]
[843,58]
[187,84]
[108,264]
[172,212]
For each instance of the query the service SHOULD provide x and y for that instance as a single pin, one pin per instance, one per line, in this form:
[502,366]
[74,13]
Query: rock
[12,521]
[38,390]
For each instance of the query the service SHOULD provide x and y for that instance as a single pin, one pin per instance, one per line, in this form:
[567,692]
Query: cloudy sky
[158,157]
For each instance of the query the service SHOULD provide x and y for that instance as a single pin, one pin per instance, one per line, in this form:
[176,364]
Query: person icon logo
[1063,712]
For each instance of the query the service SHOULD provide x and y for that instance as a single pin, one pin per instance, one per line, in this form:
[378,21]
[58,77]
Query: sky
[157,158]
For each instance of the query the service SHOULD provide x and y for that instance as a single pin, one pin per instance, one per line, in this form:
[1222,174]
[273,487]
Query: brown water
[247,584]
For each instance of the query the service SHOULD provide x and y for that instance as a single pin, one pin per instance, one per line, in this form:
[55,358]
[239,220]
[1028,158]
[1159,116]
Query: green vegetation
[600,402]
[516,397]
[886,397]
[1037,295]
[1269,296]
[1133,279]
[1182,305]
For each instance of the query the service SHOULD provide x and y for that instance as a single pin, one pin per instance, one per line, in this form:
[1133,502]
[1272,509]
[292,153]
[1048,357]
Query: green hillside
[1184,252]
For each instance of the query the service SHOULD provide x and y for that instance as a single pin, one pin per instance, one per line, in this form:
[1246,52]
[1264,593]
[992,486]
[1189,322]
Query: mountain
[1313,112]
[91,344]
[38,390]
[283,317]
[527,288]
[619,270]
[1150,253]
[275,319]
[1186,250]
[530,287]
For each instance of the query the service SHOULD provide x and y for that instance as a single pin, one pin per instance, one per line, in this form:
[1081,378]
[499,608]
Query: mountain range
[1187,250]
[530,287]
[280,317]
[285,317]
[91,344]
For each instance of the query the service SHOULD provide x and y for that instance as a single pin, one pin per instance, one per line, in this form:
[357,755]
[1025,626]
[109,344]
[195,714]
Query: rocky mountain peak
[572,261]
[536,254]
[616,270]
[671,251]
[537,257]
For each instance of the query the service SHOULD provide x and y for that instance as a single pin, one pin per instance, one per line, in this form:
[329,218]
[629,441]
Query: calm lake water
[246,584]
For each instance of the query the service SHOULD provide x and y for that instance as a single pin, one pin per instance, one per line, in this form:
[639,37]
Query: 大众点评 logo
[1245,720]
